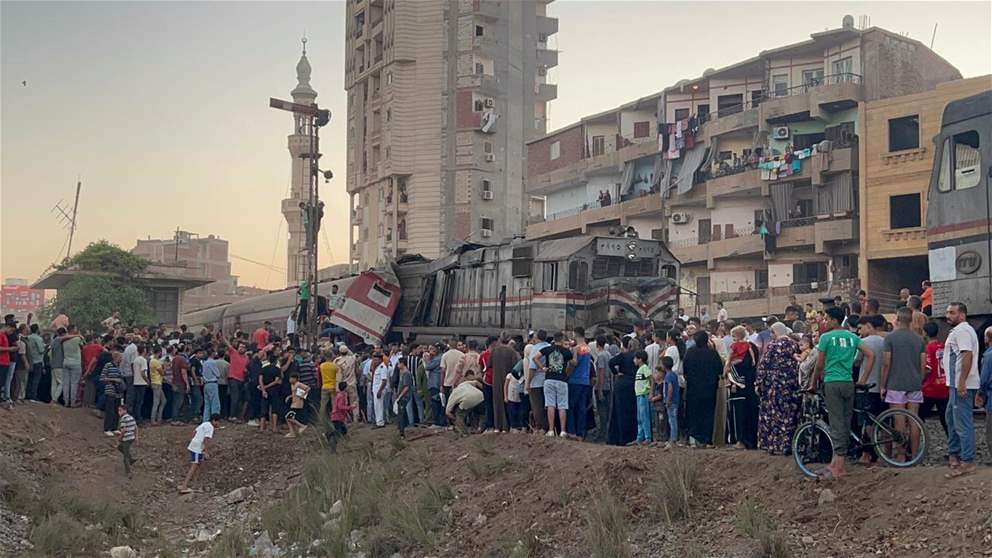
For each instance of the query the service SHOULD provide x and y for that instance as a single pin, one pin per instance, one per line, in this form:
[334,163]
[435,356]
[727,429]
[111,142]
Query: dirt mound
[486,495]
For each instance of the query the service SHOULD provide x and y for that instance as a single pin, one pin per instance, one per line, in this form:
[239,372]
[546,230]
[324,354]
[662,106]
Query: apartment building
[764,205]
[442,96]
[193,257]
[896,162]
[598,174]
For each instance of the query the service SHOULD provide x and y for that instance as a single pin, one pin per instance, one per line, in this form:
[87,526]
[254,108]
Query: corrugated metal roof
[553,250]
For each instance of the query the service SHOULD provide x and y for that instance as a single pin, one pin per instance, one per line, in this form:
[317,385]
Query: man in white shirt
[291,328]
[139,368]
[721,315]
[449,367]
[380,378]
[198,450]
[127,370]
[654,350]
[961,363]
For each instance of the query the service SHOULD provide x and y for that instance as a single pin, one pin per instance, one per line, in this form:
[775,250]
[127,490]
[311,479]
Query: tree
[89,299]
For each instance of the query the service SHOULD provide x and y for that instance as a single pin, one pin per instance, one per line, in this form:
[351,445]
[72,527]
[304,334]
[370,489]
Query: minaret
[299,144]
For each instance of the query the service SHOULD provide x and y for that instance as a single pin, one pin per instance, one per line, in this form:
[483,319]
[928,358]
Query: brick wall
[465,115]
[539,152]
[899,66]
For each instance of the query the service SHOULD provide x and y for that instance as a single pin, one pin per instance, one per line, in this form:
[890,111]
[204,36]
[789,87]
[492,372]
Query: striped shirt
[307,372]
[112,380]
[128,428]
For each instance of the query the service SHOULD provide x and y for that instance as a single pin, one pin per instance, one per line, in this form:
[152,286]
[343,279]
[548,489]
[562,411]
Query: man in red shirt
[935,381]
[6,362]
[238,357]
[261,335]
[487,381]
[89,353]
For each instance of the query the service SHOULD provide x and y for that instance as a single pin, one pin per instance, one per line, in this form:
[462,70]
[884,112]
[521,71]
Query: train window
[967,160]
[379,295]
[640,268]
[669,272]
[944,174]
[578,275]
[549,281]
[605,266]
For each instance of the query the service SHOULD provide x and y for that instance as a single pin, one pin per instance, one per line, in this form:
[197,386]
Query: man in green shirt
[837,348]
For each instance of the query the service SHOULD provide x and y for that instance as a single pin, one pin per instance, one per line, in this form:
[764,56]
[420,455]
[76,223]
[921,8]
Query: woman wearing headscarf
[702,368]
[741,372]
[777,385]
[623,411]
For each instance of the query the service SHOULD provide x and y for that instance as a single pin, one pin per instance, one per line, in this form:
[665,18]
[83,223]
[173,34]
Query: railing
[687,242]
[744,294]
[798,222]
[805,88]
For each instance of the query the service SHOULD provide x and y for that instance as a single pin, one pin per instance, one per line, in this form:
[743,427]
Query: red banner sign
[21,298]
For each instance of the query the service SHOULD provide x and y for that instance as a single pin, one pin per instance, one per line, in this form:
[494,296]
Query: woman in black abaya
[623,411]
[702,368]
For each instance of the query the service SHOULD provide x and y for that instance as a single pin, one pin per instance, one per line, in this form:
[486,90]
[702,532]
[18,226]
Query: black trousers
[110,418]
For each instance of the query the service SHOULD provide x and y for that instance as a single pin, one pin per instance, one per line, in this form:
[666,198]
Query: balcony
[546,92]
[691,251]
[813,100]
[796,233]
[641,148]
[844,159]
[763,302]
[356,217]
[547,58]
[719,124]
[834,230]
[488,9]
[693,198]
[547,25]
[578,220]
[737,183]
[400,208]
[485,43]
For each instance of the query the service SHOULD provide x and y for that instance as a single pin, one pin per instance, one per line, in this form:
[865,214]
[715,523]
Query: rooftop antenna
[934,36]
[68,219]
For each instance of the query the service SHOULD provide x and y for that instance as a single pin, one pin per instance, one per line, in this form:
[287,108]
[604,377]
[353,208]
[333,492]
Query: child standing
[642,389]
[341,410]
[297,398]
[198,450]
[404,395]
[511,396]
[672,397]
[128,429]
[659,416]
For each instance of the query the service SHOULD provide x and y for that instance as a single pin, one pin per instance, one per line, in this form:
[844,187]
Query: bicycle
[892,434]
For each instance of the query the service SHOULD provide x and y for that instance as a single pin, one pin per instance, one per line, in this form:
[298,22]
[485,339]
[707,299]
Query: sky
[161,108]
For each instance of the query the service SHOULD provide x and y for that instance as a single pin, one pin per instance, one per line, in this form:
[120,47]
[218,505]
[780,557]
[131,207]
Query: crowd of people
[701,383]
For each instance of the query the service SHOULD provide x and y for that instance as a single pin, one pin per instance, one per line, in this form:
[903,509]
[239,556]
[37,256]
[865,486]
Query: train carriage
[554,284]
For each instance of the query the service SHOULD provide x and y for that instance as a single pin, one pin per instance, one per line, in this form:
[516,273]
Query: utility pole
[313,211]
[72,223]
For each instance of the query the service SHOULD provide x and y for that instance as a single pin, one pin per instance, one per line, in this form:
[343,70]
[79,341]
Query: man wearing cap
[380,379]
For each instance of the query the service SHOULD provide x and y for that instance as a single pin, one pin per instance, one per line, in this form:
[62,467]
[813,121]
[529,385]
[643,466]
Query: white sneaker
[562,434]
[252,423]
[550,434]
[108,433]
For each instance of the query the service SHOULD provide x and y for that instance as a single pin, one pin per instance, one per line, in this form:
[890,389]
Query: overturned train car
[588,281]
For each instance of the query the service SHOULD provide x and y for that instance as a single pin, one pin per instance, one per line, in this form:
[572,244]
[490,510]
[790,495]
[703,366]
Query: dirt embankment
[487,495]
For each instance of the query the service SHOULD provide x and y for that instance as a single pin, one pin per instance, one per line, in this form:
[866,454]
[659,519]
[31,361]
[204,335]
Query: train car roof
[554,250]
[968,108]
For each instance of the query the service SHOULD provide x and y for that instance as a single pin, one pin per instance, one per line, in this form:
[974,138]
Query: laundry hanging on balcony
[693,159]
[627,180]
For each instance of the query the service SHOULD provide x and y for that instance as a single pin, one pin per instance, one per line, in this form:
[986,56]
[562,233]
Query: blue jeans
[7,381]
[437,409]
[196,399]
[211,400]
[643,419]
[673,423]
[961,425]
[578,409]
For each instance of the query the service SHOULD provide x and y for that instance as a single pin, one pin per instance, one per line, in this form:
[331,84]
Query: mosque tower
[299,145]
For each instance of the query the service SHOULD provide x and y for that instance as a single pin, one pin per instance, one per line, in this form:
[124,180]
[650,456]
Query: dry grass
[233,541]
[753,521]
[607,527]
[673,488]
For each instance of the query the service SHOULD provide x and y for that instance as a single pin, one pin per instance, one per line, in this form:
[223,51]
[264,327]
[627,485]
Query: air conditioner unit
[680,218]
[490,103]
[490,157]
[488,122]
[487,194]
[780,132]
[486,233]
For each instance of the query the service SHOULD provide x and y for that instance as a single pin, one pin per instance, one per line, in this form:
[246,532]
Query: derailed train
[589,281]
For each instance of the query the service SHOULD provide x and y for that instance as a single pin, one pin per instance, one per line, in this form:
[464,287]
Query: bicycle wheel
[812,448]
[900,439]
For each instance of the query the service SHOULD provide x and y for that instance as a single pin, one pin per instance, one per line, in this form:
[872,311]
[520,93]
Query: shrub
[607,527]
[674,487]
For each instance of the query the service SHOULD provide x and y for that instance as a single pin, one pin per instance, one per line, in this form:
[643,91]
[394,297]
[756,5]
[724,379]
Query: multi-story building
[599,173]
[764,205]
[442,96]
[197,258]
[896,161]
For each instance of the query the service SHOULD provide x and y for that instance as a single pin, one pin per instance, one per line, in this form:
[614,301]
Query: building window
[842,70]
[487,186]
[683,113]
[904,211]
[389,115]
[962,154]
[486,223]
[642,129]
[542,37]
[703,110]
[555,150]
[705,230]
[389,78]
[480,68]
[812,78]
[904,133]
[478,106]
[803,141]
[487,147]
[598,145]
[806,273]
[480,30]
[780,85]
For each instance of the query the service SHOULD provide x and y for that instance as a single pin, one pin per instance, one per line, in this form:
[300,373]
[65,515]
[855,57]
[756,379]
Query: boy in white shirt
[198,450]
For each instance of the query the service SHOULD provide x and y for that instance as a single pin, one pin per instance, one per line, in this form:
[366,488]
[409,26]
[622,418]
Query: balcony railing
[805,88]
[798,222]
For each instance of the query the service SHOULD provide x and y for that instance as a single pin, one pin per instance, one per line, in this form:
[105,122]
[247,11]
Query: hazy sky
[161,107]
